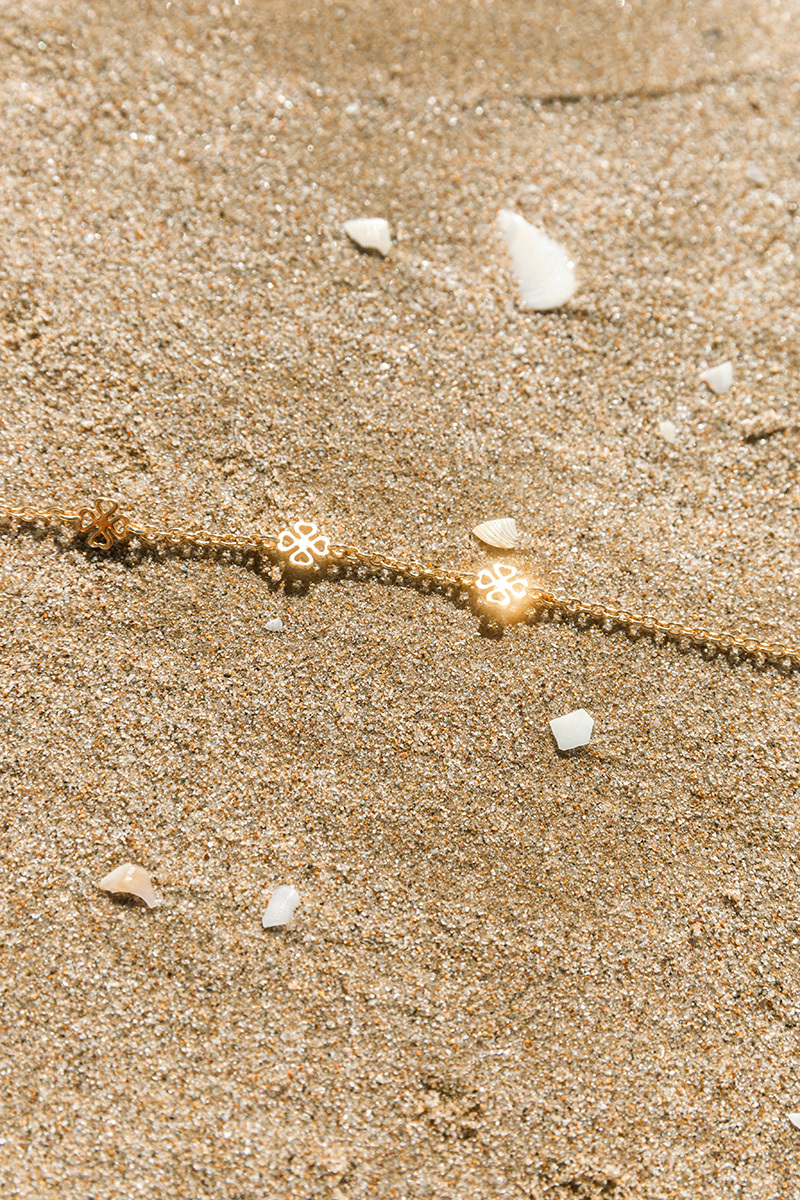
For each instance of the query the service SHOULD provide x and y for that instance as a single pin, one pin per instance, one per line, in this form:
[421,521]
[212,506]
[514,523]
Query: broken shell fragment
[573,729]
[275,625]
[130,880]
[668,431]
[754,174]
[280,910]
[501,533]
[719,378]
[545,275]
[370,233]
[795,1119]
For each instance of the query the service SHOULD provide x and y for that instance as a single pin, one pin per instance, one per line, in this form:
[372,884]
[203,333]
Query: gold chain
[498,594]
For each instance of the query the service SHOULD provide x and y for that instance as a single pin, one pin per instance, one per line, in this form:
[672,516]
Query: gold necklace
[498,594]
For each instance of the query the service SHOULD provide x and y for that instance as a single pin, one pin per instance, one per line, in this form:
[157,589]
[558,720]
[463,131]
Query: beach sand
[513,972]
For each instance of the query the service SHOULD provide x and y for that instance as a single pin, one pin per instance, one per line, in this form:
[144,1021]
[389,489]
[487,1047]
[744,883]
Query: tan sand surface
[514,973]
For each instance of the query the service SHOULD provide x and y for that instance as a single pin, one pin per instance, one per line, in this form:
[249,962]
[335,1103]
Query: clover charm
[501,590]
[108,524]
[305,546]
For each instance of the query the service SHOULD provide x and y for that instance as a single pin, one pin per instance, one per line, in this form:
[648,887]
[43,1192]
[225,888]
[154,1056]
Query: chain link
[419,574]
[303,549]
[32,516]
[202,539]
[698,636]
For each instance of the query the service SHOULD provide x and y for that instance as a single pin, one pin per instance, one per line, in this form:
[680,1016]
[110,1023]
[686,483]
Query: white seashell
[574,729]
[545,275]
[280,910]
[370,233]
[275,625]
[718,378]
[130,880]
[668,431]
[795,1119]
[501,533]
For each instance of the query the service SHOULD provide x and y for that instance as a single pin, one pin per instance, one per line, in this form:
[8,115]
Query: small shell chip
[718,379]
[370,233]
[130,880]
[573,729]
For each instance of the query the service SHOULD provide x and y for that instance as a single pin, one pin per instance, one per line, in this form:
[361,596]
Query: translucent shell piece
[501,533]
[305,546]
[130,880]
[501,589]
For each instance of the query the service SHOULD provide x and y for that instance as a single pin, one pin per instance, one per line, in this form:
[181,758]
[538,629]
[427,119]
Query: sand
[513,973]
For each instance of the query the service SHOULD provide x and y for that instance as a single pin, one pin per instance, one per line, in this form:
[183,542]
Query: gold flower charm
[502,591]
[103,519]
[306,547]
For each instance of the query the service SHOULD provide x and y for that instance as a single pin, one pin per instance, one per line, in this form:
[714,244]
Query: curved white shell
[370,233]
[545,275]
[130,880]
[280,910]
[501,533]
[718,378]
